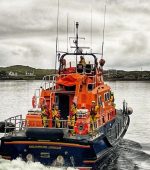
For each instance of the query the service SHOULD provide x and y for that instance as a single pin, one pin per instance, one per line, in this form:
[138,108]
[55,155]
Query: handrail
[49,80]
[16,123]
[21,124]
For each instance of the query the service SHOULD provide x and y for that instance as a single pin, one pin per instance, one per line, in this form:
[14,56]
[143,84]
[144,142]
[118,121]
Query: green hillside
[23,72]
[19,72]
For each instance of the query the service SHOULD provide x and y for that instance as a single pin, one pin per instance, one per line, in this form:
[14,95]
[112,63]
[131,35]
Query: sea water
[18,164]
[133,152]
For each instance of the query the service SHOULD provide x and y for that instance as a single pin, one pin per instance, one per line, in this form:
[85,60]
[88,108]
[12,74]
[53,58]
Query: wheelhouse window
[107,96]
[90,87]
[100,101]
[56,99]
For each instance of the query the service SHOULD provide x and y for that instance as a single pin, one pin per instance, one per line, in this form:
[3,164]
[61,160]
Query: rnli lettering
[37,147]
[43,147]
[54,147]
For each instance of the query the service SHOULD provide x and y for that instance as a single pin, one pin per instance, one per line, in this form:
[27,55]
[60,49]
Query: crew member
[44,115]
[82,61]
[72,118]
[112,97]
[56,116]
[93,113]
[62,64]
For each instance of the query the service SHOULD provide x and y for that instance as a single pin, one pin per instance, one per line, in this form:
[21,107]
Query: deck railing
[20,125]
[14,124]
[49,82]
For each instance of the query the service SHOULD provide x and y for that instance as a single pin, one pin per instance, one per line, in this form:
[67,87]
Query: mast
[104,29]
[57,35]
[91,29]
[76,38]
[67,31]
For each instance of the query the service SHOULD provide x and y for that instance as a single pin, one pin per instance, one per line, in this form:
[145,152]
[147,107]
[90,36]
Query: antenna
[104,29]
[91,29]
[74,28]
[77,38]
[67,31]
[57,35]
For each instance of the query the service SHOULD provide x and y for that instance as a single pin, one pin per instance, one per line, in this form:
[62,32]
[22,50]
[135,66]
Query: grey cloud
[28,30]
[28,52]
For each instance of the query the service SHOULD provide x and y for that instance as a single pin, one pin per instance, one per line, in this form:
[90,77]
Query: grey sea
[133,153]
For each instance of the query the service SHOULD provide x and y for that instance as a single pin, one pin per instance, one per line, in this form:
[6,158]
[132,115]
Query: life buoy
[34,101]
[81,128]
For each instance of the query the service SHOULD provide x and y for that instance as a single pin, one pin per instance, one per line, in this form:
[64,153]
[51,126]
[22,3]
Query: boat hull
[61,151]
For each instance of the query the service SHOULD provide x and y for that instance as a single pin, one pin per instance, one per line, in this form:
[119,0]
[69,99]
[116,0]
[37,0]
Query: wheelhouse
[74,66]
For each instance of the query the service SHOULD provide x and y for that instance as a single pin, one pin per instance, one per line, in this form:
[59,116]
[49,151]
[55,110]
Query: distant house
[29,73]
[11,73]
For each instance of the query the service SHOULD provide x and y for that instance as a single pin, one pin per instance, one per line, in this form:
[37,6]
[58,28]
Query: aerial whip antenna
[67,31]
[91,29]
[74,29]
[104,29]
[77,38]
[57,35]
[102,61]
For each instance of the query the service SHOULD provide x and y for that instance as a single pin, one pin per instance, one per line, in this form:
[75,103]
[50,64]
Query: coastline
[19,72]
[121,75]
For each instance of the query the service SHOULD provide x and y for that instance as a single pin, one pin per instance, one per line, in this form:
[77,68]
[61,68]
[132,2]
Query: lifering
[34,101]
[81,128]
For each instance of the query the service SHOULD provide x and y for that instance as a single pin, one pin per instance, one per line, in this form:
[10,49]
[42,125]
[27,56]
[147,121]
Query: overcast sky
[28,31]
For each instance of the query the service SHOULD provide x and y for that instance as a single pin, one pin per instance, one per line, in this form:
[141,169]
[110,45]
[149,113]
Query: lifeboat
[74,118]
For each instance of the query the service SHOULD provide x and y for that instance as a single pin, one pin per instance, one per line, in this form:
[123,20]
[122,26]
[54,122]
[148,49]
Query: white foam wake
[18,164]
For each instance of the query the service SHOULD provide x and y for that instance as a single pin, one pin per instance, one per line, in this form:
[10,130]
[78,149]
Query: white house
[11,73]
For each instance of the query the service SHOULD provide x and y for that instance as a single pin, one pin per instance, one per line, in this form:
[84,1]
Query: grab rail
[49,82]
[22,124]
[13,124]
